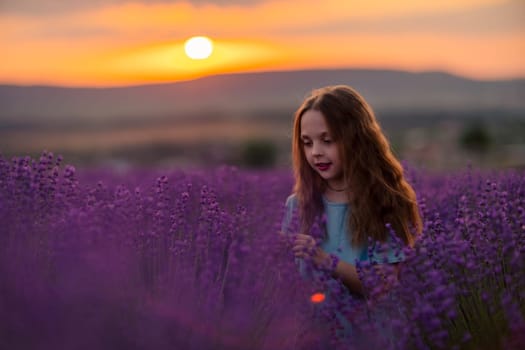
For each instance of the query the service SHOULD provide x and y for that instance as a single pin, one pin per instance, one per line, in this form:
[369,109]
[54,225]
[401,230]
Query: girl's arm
[347,273]
[304,247]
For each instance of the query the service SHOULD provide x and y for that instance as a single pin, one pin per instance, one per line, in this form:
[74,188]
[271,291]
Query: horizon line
[260,72]
[257,72]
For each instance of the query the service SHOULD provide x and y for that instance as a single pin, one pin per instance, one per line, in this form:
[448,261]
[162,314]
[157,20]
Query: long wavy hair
[378,192]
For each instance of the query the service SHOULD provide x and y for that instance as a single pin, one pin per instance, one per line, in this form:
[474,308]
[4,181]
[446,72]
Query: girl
[346,173]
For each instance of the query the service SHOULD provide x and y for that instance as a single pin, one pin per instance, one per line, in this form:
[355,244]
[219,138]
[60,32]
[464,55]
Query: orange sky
[87,43]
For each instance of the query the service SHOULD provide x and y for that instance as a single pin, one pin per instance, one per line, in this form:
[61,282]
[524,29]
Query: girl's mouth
[323,166]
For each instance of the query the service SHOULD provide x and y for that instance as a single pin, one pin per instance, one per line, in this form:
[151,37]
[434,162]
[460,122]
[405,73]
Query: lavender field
[153,259]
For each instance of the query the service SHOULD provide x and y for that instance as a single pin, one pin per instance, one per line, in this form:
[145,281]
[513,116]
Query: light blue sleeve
[288,229]
[290,205]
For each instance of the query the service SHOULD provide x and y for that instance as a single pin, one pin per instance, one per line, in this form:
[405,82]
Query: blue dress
[337,242]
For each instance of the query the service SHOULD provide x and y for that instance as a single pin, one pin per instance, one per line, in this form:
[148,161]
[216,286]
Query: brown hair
[378,192]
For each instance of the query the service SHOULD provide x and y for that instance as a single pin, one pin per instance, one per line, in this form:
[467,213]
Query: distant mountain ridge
[239,95]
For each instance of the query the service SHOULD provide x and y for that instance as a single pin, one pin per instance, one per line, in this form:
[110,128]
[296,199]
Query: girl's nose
[317,149]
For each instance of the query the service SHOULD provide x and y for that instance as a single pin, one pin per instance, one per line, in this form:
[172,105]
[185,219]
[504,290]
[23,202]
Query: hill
[241,95]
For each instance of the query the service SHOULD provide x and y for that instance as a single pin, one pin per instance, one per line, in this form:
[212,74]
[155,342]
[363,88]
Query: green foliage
[476,138]
[258,154]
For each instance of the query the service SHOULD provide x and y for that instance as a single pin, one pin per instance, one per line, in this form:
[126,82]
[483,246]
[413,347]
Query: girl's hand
[305,246]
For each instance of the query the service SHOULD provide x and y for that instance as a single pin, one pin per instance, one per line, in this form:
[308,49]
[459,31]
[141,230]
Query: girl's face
[320,150]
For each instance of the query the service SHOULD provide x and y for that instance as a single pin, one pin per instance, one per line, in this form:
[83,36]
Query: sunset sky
[122,42]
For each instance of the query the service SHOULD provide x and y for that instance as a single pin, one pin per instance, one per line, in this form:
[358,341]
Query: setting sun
[198,47]
[113,43]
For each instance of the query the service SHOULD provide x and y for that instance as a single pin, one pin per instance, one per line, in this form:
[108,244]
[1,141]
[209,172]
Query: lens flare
[317,298]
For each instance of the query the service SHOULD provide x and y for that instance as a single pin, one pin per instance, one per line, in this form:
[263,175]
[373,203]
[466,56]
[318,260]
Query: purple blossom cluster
[193,260]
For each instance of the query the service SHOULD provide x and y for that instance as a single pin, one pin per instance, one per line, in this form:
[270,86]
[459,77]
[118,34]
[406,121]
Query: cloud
[156,20]
[495,19]
[43,7]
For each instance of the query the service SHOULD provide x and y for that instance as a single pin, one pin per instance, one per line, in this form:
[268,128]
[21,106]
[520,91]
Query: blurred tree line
[476,138]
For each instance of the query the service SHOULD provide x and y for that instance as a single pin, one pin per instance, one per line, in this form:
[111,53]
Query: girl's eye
[327,141]
[307,143]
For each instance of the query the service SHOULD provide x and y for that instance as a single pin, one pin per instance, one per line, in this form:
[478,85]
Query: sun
[198,47]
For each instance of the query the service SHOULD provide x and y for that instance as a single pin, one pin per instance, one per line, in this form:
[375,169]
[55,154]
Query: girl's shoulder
[291,198]
[291,201]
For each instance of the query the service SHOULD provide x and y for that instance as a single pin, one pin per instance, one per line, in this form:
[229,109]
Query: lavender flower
[193,260]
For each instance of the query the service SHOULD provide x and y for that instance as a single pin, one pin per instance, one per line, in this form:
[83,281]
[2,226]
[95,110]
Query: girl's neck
[336,195]
[336,187]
